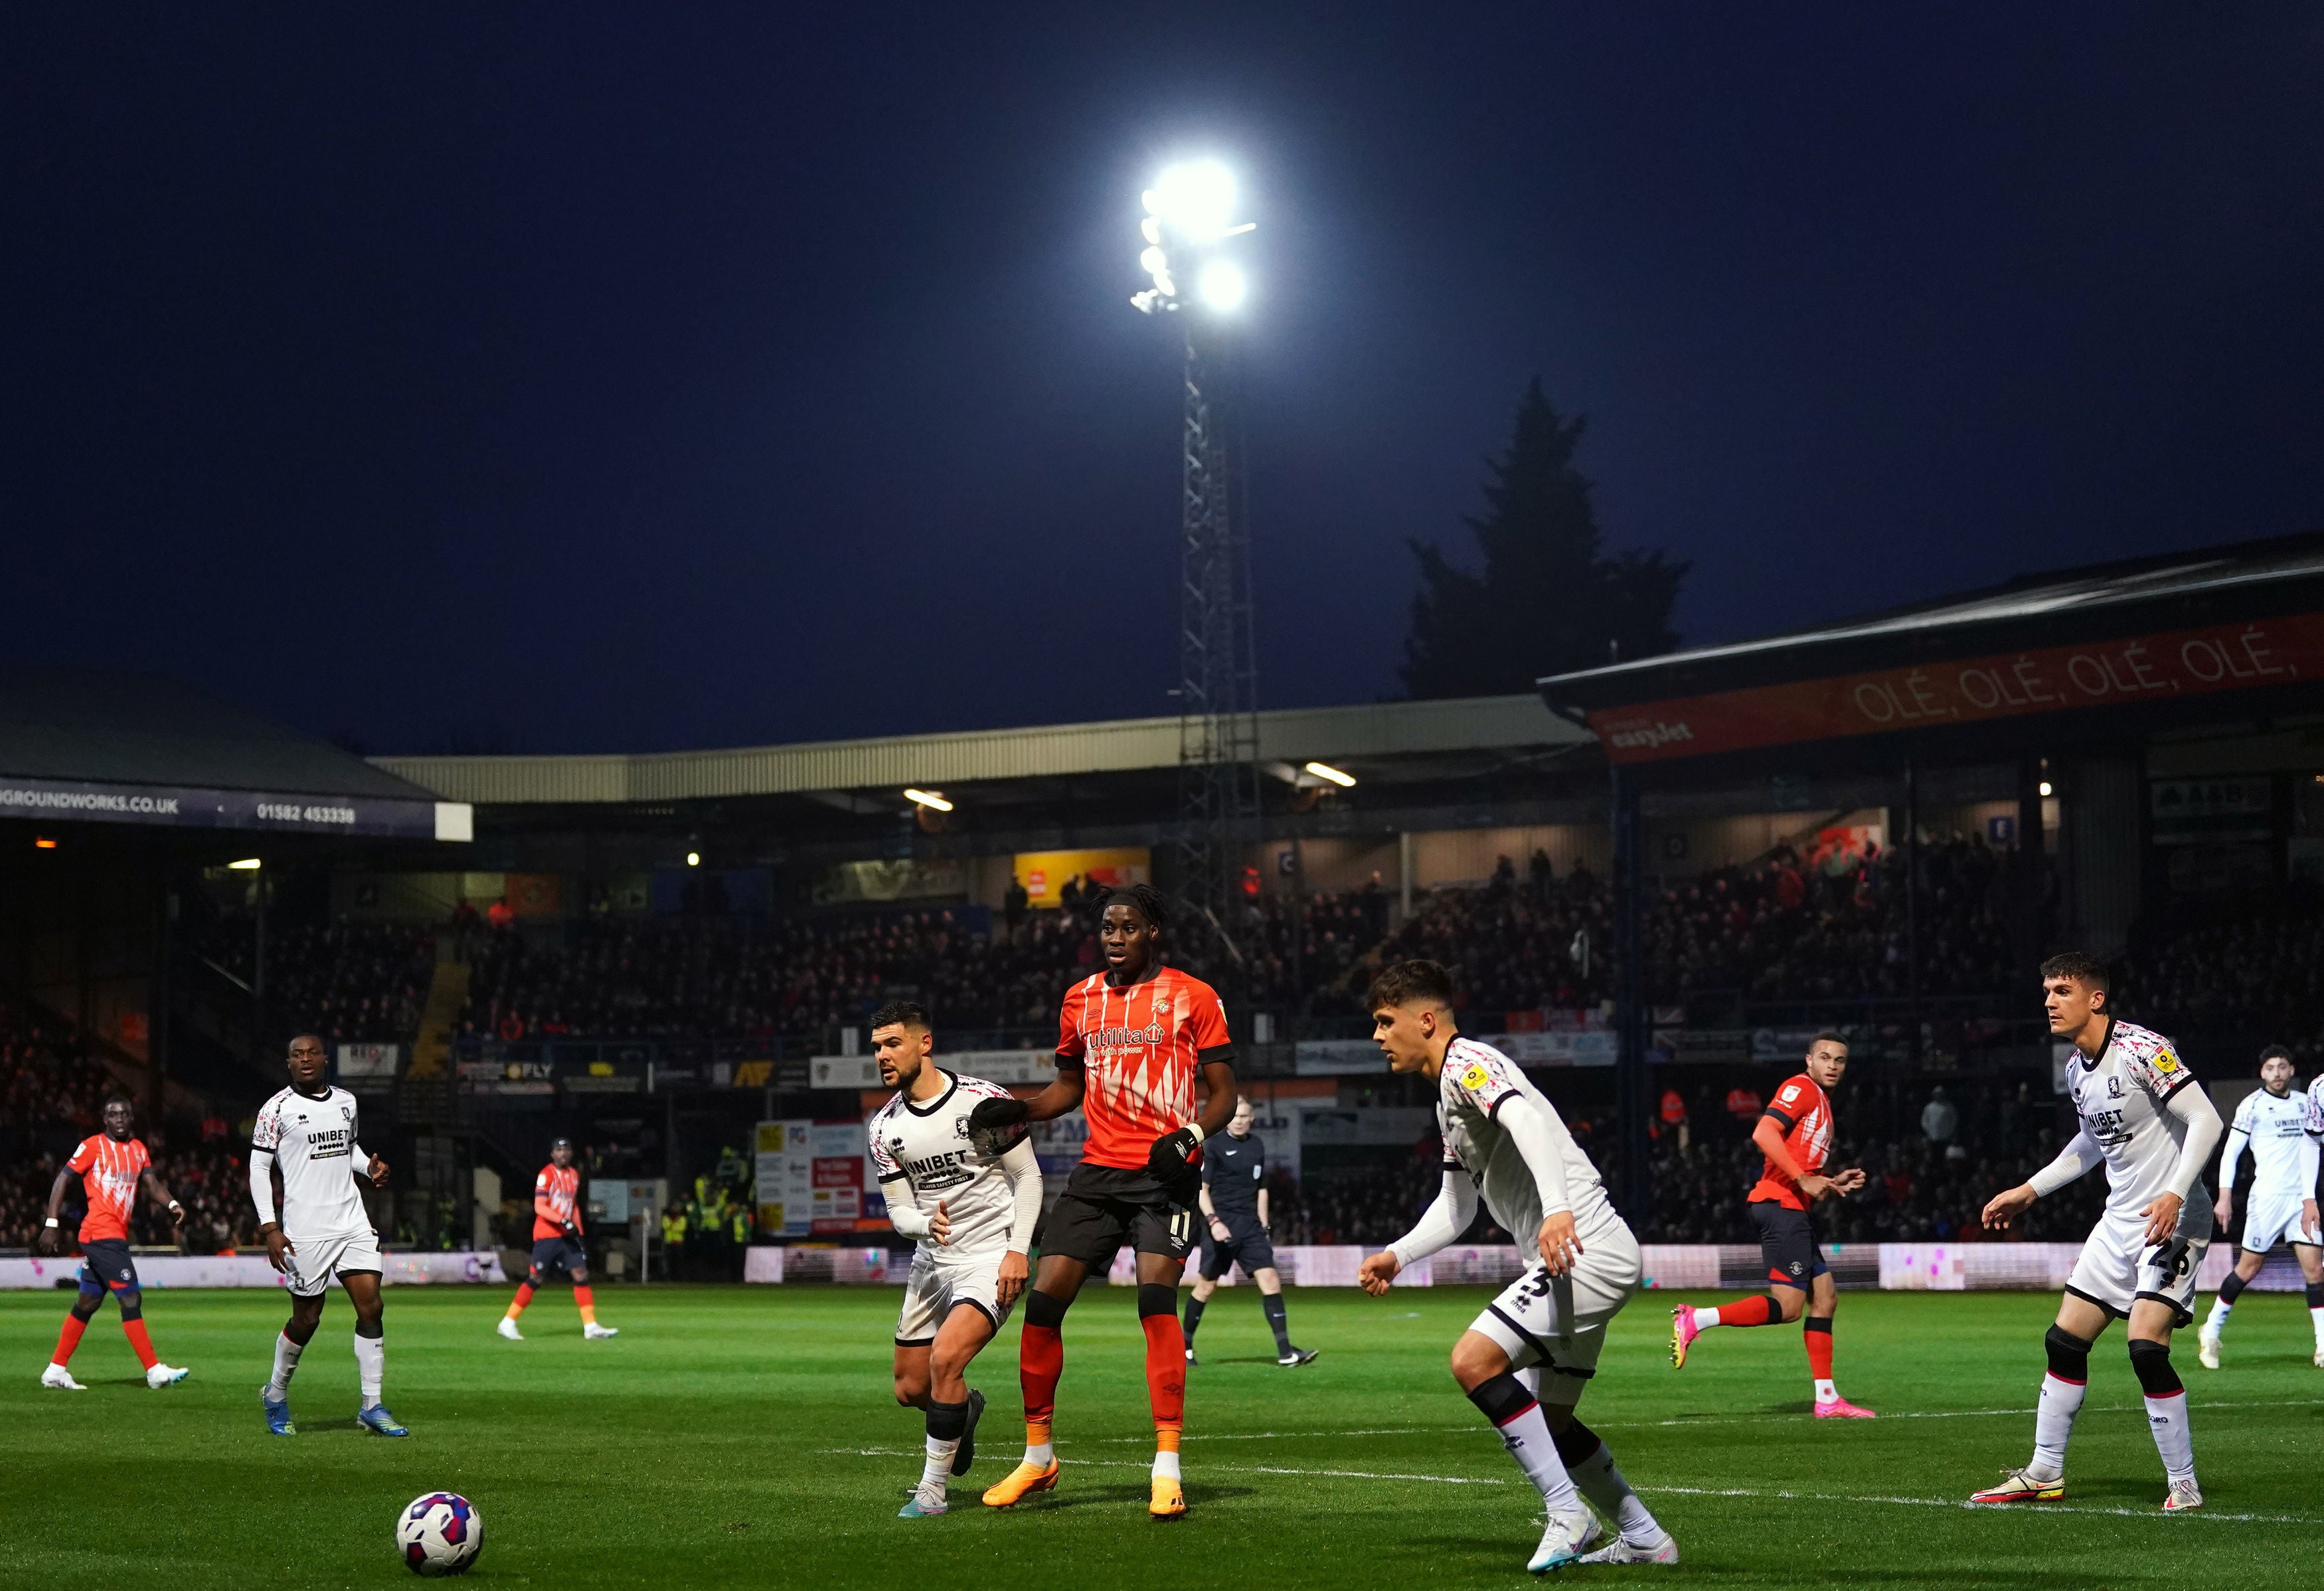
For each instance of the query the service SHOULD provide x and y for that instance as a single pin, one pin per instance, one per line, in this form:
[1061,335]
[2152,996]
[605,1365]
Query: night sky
[550,379]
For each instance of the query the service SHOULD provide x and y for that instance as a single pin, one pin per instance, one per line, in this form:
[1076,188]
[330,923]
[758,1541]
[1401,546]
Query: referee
[1234,1202]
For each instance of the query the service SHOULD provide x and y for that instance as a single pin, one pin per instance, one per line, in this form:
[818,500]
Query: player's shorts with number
[2274,1218]
[1246,1245]
[1104,1206]
[2118,1266]
[1559,1322]
[937,1283]
[320,1258]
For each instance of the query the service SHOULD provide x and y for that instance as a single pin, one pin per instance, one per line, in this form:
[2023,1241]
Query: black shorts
[1246,1245]
[105,1263]
[1789,1242]
[1104,1206]
[557,1254]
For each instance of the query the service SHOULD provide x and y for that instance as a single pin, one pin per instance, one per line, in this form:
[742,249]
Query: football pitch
[739,1438]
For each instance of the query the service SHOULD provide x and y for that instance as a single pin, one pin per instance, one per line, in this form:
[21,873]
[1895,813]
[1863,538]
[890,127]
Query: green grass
[736,1438]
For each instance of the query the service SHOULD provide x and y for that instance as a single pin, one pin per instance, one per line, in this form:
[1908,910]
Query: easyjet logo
[1651,735]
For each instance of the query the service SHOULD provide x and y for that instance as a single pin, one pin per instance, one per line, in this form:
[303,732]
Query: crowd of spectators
[2257,976]
[53,1095]
[356,982]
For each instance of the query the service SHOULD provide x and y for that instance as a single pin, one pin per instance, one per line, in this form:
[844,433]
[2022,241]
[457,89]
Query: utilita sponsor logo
[1650,735]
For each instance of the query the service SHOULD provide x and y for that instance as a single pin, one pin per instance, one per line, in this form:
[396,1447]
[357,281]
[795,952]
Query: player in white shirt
[307,1132]
[972,1201]
[2283,1128]
[2149,1122]
[1525,1361]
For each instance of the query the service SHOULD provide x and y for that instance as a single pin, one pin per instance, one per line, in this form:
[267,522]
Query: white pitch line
[1750,1491]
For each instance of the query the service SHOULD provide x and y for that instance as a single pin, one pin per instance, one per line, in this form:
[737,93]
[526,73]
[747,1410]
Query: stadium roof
[2145,634]
[1398,729]
[105,746]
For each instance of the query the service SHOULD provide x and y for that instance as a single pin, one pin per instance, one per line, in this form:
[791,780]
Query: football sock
[1591,1462]
[286,1364]
[1763,1310]
[1165,1369]
[2166,1409]
[588,1302]
[1277,1321]
[1816,1332]
[1517,1417]
[68,1339]
[141,1340]
[523,1297]
[2064,1389]
[1040,1361]
[2316,1311]
[946,1423]
[1194,1318]
[371,1365]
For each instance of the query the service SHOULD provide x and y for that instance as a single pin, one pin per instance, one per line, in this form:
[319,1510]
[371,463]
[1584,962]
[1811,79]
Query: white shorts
[934,1288]
[2118,1266]
[319,1259]
[1559,1322]
[2274,1218]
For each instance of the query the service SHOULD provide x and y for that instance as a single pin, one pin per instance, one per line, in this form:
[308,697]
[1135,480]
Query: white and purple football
[440,1533]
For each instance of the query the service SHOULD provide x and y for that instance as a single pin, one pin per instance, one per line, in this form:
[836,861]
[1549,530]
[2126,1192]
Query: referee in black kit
[1234,1202]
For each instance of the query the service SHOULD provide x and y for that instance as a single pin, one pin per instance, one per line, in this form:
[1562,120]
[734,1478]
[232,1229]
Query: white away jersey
[313,1141]
[2279,1130]
[922,1152]
[2120,1098]
[1477,1081]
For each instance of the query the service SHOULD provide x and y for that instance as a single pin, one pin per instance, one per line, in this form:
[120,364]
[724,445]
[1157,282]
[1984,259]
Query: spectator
[1940,1121]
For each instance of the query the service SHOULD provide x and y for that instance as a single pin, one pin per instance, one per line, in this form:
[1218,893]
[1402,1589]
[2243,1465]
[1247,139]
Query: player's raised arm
[1443,1222]
[2078,1157]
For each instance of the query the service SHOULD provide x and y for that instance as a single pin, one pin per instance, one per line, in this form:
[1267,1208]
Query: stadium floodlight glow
[1222,285]
[2045,788]
[1154,262]
[44,843]
[1325,771]
[1194,199]
[694,858]
[248,865]
[928,798]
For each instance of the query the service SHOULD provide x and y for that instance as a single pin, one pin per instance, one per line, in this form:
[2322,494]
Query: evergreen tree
[1548,599]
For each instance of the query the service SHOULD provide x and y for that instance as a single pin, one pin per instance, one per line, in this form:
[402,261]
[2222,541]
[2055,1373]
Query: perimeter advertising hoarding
[813,1178]
[2005,685]
[187,807]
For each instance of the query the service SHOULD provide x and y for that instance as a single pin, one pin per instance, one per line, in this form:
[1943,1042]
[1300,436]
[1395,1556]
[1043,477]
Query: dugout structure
[2151,730]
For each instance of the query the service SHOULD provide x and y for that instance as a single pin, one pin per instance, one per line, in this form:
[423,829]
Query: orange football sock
[68,1339]
[134,1330]
[1040,1361]
[1166,1378]
[588,1302]
[523,1297]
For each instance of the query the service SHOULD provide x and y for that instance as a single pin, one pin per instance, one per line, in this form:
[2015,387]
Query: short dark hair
[1144,899]
[2274,1052]
[902,1014]
[1408,981]
[1830,1036]
[2082,967]
[113,1099]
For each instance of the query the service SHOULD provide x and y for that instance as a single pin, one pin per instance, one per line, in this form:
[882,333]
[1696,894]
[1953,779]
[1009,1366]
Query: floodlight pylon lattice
[1218,667]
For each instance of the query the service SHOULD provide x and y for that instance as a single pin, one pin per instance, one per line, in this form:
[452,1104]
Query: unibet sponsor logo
[1650,735]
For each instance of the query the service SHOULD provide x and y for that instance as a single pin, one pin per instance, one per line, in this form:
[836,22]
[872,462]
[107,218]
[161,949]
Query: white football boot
[58,1377]
[593,1331]
[1621,1551]
[2206,1349]
[166,1375]
[1562,1538]
[507,1329]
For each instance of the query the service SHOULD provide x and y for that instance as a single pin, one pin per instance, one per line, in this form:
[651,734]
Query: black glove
[1172,1157]
[996,1126]
[572,1231]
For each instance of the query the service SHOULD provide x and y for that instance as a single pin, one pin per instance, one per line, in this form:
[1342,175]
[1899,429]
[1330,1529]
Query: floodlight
[694,858]
[248,865]
[1150,229]
[1222,285]
[1196,199]
[928,798]
[1154,263]
[1325,771]
[2045,788]
[44,843]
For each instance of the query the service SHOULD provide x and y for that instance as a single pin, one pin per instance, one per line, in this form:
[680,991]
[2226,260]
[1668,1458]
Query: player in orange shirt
[1131,1041]
[557,1244]
[112,1166]
[1795,1133]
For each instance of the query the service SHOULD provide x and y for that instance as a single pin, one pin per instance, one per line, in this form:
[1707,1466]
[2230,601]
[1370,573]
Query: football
[440,1533]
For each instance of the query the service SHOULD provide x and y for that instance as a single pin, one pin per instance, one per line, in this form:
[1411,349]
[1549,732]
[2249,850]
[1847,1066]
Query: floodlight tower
[1189,230]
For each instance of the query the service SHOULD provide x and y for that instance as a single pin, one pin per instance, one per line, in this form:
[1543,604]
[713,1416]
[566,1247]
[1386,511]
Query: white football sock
[1043,1454]
[1528,1441]
[1599,1480]
[2316,1318]
[2167,1418]
[1705,1318]
[285,1365]
[1825,1392]
[2220,1308]
[1165,1464]
[938,1469]
[371,1367]
[2054,1426]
